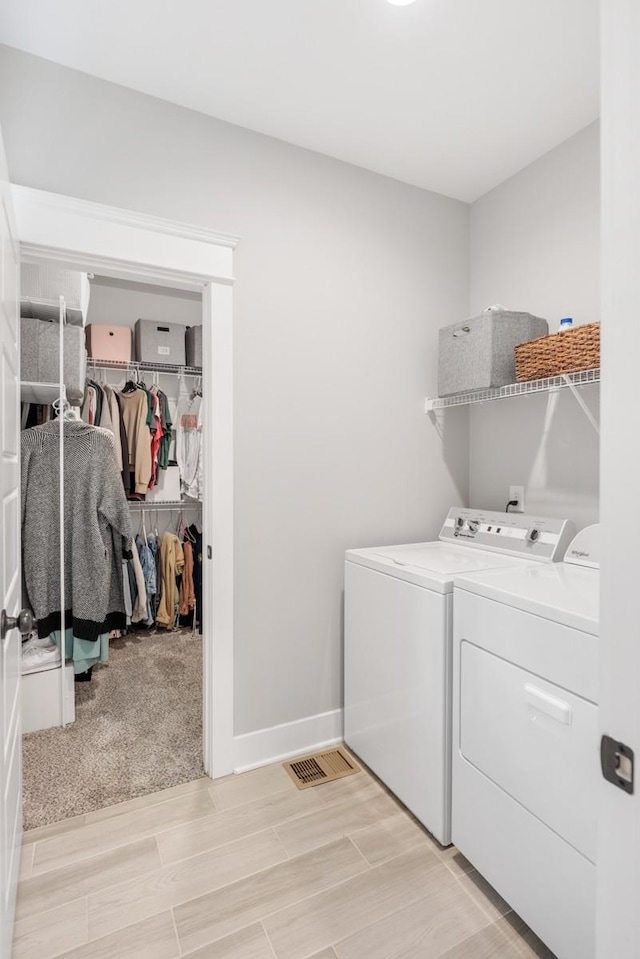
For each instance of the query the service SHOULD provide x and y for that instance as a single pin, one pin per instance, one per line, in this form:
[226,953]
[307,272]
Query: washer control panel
[531,537]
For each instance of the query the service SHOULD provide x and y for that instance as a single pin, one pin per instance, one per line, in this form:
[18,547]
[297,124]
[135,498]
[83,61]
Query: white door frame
[618,857]
[120,243]
[10,554]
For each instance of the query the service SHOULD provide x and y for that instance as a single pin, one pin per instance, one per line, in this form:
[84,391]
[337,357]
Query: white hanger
[143,528]
[61,407]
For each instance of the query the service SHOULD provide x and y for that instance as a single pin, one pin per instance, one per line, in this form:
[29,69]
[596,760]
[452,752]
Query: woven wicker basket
[566,352]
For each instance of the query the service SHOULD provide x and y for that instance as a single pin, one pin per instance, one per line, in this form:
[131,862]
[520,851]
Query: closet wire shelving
[174,505]
[169,369]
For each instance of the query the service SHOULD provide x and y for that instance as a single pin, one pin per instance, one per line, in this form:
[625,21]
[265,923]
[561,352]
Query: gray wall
[535,246]
[344,278]
[122,302]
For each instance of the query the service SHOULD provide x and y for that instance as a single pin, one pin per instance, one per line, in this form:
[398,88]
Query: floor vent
[321,768]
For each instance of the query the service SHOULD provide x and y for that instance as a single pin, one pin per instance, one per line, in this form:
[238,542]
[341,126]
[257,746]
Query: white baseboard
[278,743]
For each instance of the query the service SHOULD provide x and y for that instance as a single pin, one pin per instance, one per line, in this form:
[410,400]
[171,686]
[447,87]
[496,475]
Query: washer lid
[431,565]
[441,558]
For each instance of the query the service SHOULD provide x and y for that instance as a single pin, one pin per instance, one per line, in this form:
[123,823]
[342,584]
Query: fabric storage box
[41,288]
[106,342]
[167,489]
[39,361]
[160,342]
[193,340]
[478,354]
[568,351]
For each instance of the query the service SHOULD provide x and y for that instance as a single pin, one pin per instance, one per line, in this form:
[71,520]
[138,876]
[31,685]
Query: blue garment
[83,652]
[148,563]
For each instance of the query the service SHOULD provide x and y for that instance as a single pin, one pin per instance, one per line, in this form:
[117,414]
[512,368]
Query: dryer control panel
[531,537]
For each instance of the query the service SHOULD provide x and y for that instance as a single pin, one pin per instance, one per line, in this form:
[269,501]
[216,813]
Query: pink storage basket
[109,342]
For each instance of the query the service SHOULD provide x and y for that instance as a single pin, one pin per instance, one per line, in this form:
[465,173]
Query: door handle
[23,622]
[556,708]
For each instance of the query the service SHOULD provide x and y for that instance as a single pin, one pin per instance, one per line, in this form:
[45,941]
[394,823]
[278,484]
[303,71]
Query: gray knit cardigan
[97,528]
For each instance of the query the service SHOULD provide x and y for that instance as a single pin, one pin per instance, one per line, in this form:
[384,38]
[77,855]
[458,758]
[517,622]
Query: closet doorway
[183,727]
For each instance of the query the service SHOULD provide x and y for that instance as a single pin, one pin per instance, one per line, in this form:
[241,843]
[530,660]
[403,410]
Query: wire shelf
[42,393]
[548,385]
[166,368]
[169,504]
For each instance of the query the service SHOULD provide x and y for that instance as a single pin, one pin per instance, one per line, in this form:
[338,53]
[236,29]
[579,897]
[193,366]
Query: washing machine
[526,747]
[398,647]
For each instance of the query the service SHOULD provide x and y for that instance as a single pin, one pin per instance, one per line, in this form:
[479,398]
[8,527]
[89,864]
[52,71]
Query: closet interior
[112,403]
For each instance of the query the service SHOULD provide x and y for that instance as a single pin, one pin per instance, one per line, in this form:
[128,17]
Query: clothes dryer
[398,647]
[525,731]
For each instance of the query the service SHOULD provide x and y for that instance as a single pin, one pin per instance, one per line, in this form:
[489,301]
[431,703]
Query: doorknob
[23,622]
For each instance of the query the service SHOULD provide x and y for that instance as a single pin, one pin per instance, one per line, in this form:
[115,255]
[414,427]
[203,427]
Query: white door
[617,914]
[10,745]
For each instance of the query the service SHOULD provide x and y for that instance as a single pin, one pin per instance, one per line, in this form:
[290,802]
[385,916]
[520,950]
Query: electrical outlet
[516,493]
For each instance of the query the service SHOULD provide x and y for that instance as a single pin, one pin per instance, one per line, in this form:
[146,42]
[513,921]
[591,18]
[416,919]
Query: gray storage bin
[477,354]
[193,341]
[39,342]
[42,285]
[160,342]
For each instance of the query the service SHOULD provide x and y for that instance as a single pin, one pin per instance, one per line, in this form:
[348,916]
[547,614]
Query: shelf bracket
[581,403]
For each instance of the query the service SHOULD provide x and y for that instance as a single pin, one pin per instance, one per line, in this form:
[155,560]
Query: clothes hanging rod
[175,505]
[167,369]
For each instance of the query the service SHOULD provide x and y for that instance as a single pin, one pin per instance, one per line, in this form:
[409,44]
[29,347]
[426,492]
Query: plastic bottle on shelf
[566,323]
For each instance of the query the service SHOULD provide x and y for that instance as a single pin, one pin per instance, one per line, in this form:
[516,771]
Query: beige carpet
[138,729]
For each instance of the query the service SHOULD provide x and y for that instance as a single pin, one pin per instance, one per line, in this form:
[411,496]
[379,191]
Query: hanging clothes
[154,547]
[167,426]
[156,434]
[89,405]
[84,653]
[139,613]
[172,562]
[92,405]
[105,415]
[187,594]
[124,447]
[126,587]
[99,402]
[148,564]
[189,444]
[114,417]
[196,535]
[34,414]
[135,410]
[97,528]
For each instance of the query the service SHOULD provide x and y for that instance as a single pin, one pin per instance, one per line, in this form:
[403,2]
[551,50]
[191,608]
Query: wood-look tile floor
[248,867]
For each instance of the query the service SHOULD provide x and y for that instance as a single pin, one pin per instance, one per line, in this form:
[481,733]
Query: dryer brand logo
[579,553]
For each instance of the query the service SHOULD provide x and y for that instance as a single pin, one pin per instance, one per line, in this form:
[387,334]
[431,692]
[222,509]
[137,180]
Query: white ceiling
[451,95]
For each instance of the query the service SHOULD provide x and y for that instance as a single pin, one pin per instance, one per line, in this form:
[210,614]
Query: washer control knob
[459,522]
[474,525]
[533,535]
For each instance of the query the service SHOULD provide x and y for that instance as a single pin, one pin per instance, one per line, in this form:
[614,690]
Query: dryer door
[533,739]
